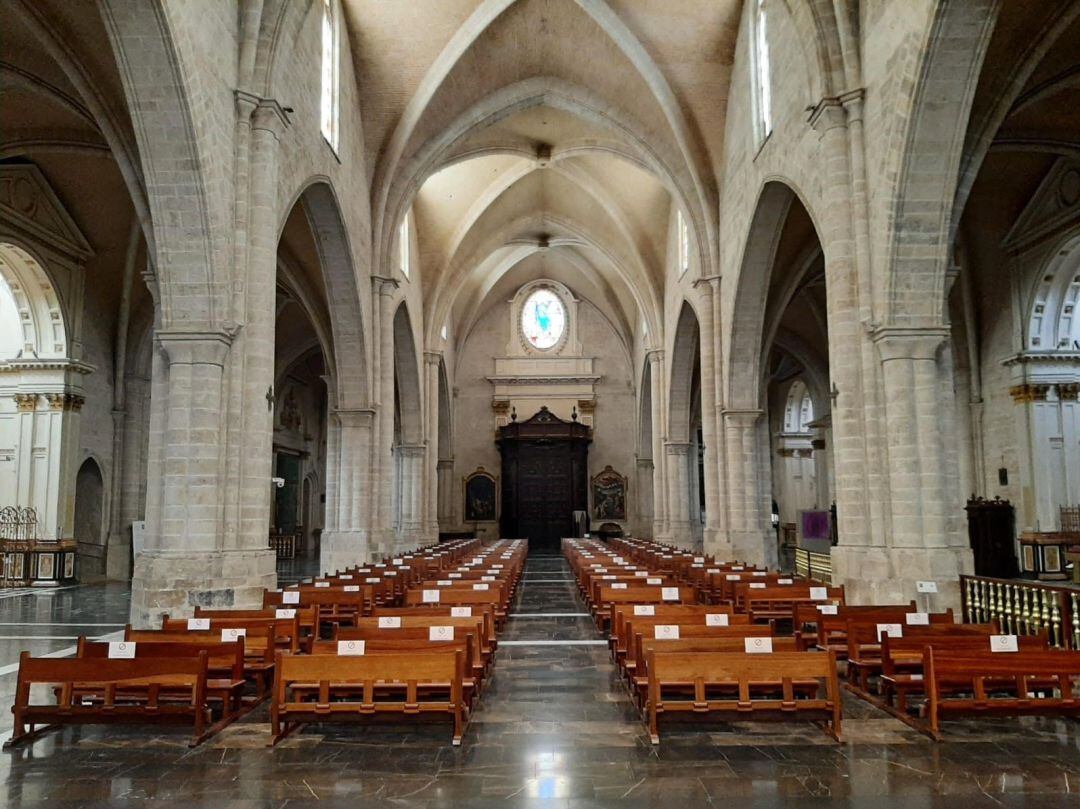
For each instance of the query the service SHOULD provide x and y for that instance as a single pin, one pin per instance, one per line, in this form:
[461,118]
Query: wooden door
[544,479]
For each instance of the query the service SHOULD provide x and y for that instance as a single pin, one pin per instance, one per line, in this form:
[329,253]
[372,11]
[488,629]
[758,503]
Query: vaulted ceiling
[543,138]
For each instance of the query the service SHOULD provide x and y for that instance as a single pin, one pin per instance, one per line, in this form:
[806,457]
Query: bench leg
[24,735]
[654,731]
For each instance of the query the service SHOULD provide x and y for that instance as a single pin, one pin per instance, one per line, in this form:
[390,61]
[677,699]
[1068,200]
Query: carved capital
[65,401]
[26,402]
[586,406]
[1067,391]
[1023,394]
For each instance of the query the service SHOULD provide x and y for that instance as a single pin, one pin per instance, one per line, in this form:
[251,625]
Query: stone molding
[908,343]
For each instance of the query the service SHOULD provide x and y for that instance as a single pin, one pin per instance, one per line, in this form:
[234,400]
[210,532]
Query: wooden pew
[454,597]
[131,689]
[777,602]
[306,616]
[621,613]
[638,629]
[335,605]
[609,599]
[832,629]
[731,683]
[864,645]
[809,616]
[999,683]
[333,688]
[902,673]
[639,683]
[225,673]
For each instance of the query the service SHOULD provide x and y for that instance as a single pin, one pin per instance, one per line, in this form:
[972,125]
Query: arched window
[543,319]
[404,253]
[11,335]
[684,242]
[331,38]
[1054,322]
[762,72]
[799,410]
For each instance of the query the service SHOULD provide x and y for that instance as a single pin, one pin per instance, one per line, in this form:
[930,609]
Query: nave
[553,727]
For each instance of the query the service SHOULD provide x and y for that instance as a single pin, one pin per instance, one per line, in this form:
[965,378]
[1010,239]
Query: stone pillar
[677,464]
[432,361]
[383,467]
[447,493]
[411,497]
[254,349]
[749,513]
[345,540]
[921,545]
[130,503]
[644,499]
[656,375]
[186,561]
[714,536]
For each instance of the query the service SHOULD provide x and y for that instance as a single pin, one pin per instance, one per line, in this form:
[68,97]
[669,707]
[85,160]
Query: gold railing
[1024,608]
[812,565]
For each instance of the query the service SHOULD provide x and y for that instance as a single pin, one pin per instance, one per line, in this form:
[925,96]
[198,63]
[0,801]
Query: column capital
[828,113]
[354,416]
[432,357]
[1029,392]
[654,355]
[677,447]
[384,286]
[744,416]
[269,115]
[708,284]
[904,342]
[194,347]
[411,450]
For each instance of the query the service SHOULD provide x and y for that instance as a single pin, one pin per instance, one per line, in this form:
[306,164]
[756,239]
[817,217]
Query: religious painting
[1028,553]
[481,497]
[609,495]
[815,524]
[46,565]
[543,319]
[69,565]
[1051,558]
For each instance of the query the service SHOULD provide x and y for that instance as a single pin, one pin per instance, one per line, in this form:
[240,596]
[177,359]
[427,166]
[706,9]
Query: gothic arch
[407,378]
[685,356]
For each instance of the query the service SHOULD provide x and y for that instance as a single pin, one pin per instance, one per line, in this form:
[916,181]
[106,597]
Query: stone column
[749,524]
[412,458]
[656,375]
[129,506]
[644,498]
[432,361]
[254,350]
[714,533]
[345,540]
[186,561]
[921,546]
[447,493]
[382,474]
[677,464]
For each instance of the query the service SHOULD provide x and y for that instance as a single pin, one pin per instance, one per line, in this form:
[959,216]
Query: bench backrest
[220,656]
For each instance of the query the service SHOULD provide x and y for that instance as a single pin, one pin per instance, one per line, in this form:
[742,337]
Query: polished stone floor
[554,728]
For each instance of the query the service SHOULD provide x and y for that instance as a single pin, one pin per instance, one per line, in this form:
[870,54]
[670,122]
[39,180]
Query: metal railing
[812,565]
[1023,608]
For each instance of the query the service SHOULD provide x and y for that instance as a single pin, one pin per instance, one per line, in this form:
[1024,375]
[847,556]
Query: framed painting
[481,496]
[609,495]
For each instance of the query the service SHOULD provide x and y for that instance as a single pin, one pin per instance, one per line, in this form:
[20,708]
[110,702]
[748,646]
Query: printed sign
[654,580]
[699,560]
[390,622]
[345,578]
[712,570]
[926,586]
[481,586]
[372,580]
[757,585]
[461,612]
[737,567]
[669,593]
[618,585]
[440,633]
[641,574]
[121,650]
[644,609]
[1004,643]
[351,588]
[733,577]
[785,581]
[399,561]
[666,631]
[716,619]
[290,597]
[917,619]
[892,630]
[757,645]
[322,584]
[232,635]
[827,609]
[284,613]
[444,582]
[430,596]
[353,648]
[819,593]
[198,623]
[759,573]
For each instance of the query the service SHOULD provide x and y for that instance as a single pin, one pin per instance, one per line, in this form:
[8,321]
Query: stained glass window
[543,319]
[329,100]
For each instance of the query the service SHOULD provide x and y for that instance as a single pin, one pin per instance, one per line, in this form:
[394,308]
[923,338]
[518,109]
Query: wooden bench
[999,683]
[131,693]
[640,629]
[742,686]
[824,629]
[639,683]
[777,602]
[455,597]
[225,673]
[306,617]
[334,605]
[621,613]
[902,674]
[609,599]
[335,688]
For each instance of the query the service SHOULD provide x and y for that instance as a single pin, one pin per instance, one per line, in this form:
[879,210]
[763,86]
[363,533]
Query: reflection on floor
[554,728]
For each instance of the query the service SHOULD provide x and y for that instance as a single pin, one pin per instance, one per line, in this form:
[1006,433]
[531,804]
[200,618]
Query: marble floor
[554,728]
